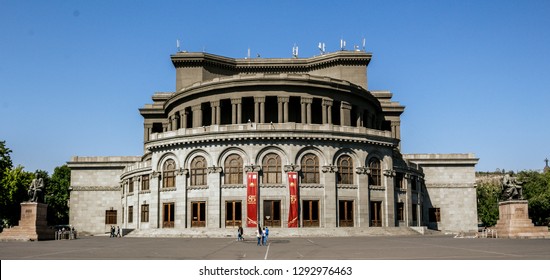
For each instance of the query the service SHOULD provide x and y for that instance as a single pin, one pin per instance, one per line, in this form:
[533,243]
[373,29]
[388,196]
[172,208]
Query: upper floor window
[198,171]
[271,168]
[310,169]
[130,185]
[169,174]
[345,170]
[145,182]
[375,177]
[233,169]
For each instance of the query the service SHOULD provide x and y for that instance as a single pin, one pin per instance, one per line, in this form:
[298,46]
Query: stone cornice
[253,65]
[270,132]
[95,188]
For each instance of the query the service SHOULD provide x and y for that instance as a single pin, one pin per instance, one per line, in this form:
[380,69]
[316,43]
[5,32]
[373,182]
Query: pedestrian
[240,234]
[112,231]
[263,237]
[118,231]
[266,234]
[259,236]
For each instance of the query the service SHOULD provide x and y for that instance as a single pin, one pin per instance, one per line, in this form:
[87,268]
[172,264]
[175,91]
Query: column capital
[236,100]
[327,102]
[196,107]
[291,168]
[306,100]
[259,99]
[252,168]
[329,169]
[282,99]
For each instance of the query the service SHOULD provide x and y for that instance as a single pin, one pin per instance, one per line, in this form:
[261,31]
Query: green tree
[487,202]
[13,191]
[5,159]
[536,189]
[57,195]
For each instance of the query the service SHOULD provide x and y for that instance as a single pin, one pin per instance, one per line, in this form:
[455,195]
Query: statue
[511,188]
[36,190]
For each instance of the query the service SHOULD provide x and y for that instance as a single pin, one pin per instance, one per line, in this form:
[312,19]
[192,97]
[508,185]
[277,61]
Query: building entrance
[310,213]
[233,214]
[168,215]
[345,213]
[198,214]
[272,213]
[376,213]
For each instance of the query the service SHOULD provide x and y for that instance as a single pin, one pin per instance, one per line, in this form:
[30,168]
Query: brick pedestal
[514,222]
[33,224]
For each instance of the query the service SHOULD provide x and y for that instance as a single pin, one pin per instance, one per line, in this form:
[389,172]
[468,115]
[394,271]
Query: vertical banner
[293,209]
[251,199]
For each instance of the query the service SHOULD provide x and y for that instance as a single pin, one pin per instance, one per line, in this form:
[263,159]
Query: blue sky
[474,75]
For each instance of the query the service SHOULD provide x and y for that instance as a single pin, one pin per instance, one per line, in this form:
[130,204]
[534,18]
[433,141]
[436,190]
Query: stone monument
[33,224]
[513,218]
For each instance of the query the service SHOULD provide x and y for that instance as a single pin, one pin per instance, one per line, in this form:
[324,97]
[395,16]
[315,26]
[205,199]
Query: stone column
[363,202]
[283,109]
[165,125]
[216,118]
[197,115]
[214,205]
[175,119]
[345,113]
[236,110]
[306,109]
[359,122]
[331,196]
[155,210]
[327,111]
[147,128]
[389,209]
[259,109]
[183,118]
[181,198]
[396,129]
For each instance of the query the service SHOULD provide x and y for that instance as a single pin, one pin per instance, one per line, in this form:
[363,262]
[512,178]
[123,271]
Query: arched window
[198,171]
[233,169]
[310,169]
[169,174]
[271,168]
[345,170]
[375,176]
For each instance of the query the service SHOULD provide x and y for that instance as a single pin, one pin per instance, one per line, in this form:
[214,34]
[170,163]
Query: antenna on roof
[364,43]
[322,47]
[248,54]
[178,44]
[342,44]
[295,51]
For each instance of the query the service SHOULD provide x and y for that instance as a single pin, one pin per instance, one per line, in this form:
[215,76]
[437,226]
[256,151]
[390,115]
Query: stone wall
[450,184]
[95,188]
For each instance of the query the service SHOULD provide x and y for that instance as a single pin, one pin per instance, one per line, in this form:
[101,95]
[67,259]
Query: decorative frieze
[95,188]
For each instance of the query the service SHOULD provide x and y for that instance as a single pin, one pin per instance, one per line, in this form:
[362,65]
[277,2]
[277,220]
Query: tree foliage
[57,195]
[14,183]
[487,202]
[536,189]
[13,191]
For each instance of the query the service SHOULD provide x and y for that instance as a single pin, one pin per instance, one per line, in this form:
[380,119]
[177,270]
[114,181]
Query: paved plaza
[280,248]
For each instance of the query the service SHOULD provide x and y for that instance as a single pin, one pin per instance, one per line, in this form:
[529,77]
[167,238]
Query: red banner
[251,199]
[293,210]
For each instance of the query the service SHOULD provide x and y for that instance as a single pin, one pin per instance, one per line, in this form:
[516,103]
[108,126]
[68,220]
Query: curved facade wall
[230,119]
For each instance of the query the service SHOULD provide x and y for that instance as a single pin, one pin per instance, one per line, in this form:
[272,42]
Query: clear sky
[474,75]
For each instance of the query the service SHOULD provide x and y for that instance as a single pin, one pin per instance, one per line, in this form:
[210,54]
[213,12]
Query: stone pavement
[434,247]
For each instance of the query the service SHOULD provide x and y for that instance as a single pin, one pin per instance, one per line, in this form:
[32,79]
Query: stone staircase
[274,232]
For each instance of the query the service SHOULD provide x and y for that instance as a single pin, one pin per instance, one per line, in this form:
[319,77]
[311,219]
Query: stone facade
[315,116]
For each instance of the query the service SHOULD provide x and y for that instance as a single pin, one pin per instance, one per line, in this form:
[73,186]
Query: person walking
[118,232]
[266,234]
[264,237]
[240,236]
[112,231]
[259,236]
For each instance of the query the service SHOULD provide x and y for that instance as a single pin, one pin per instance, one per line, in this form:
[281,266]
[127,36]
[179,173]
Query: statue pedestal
[513,221]
[33,224]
